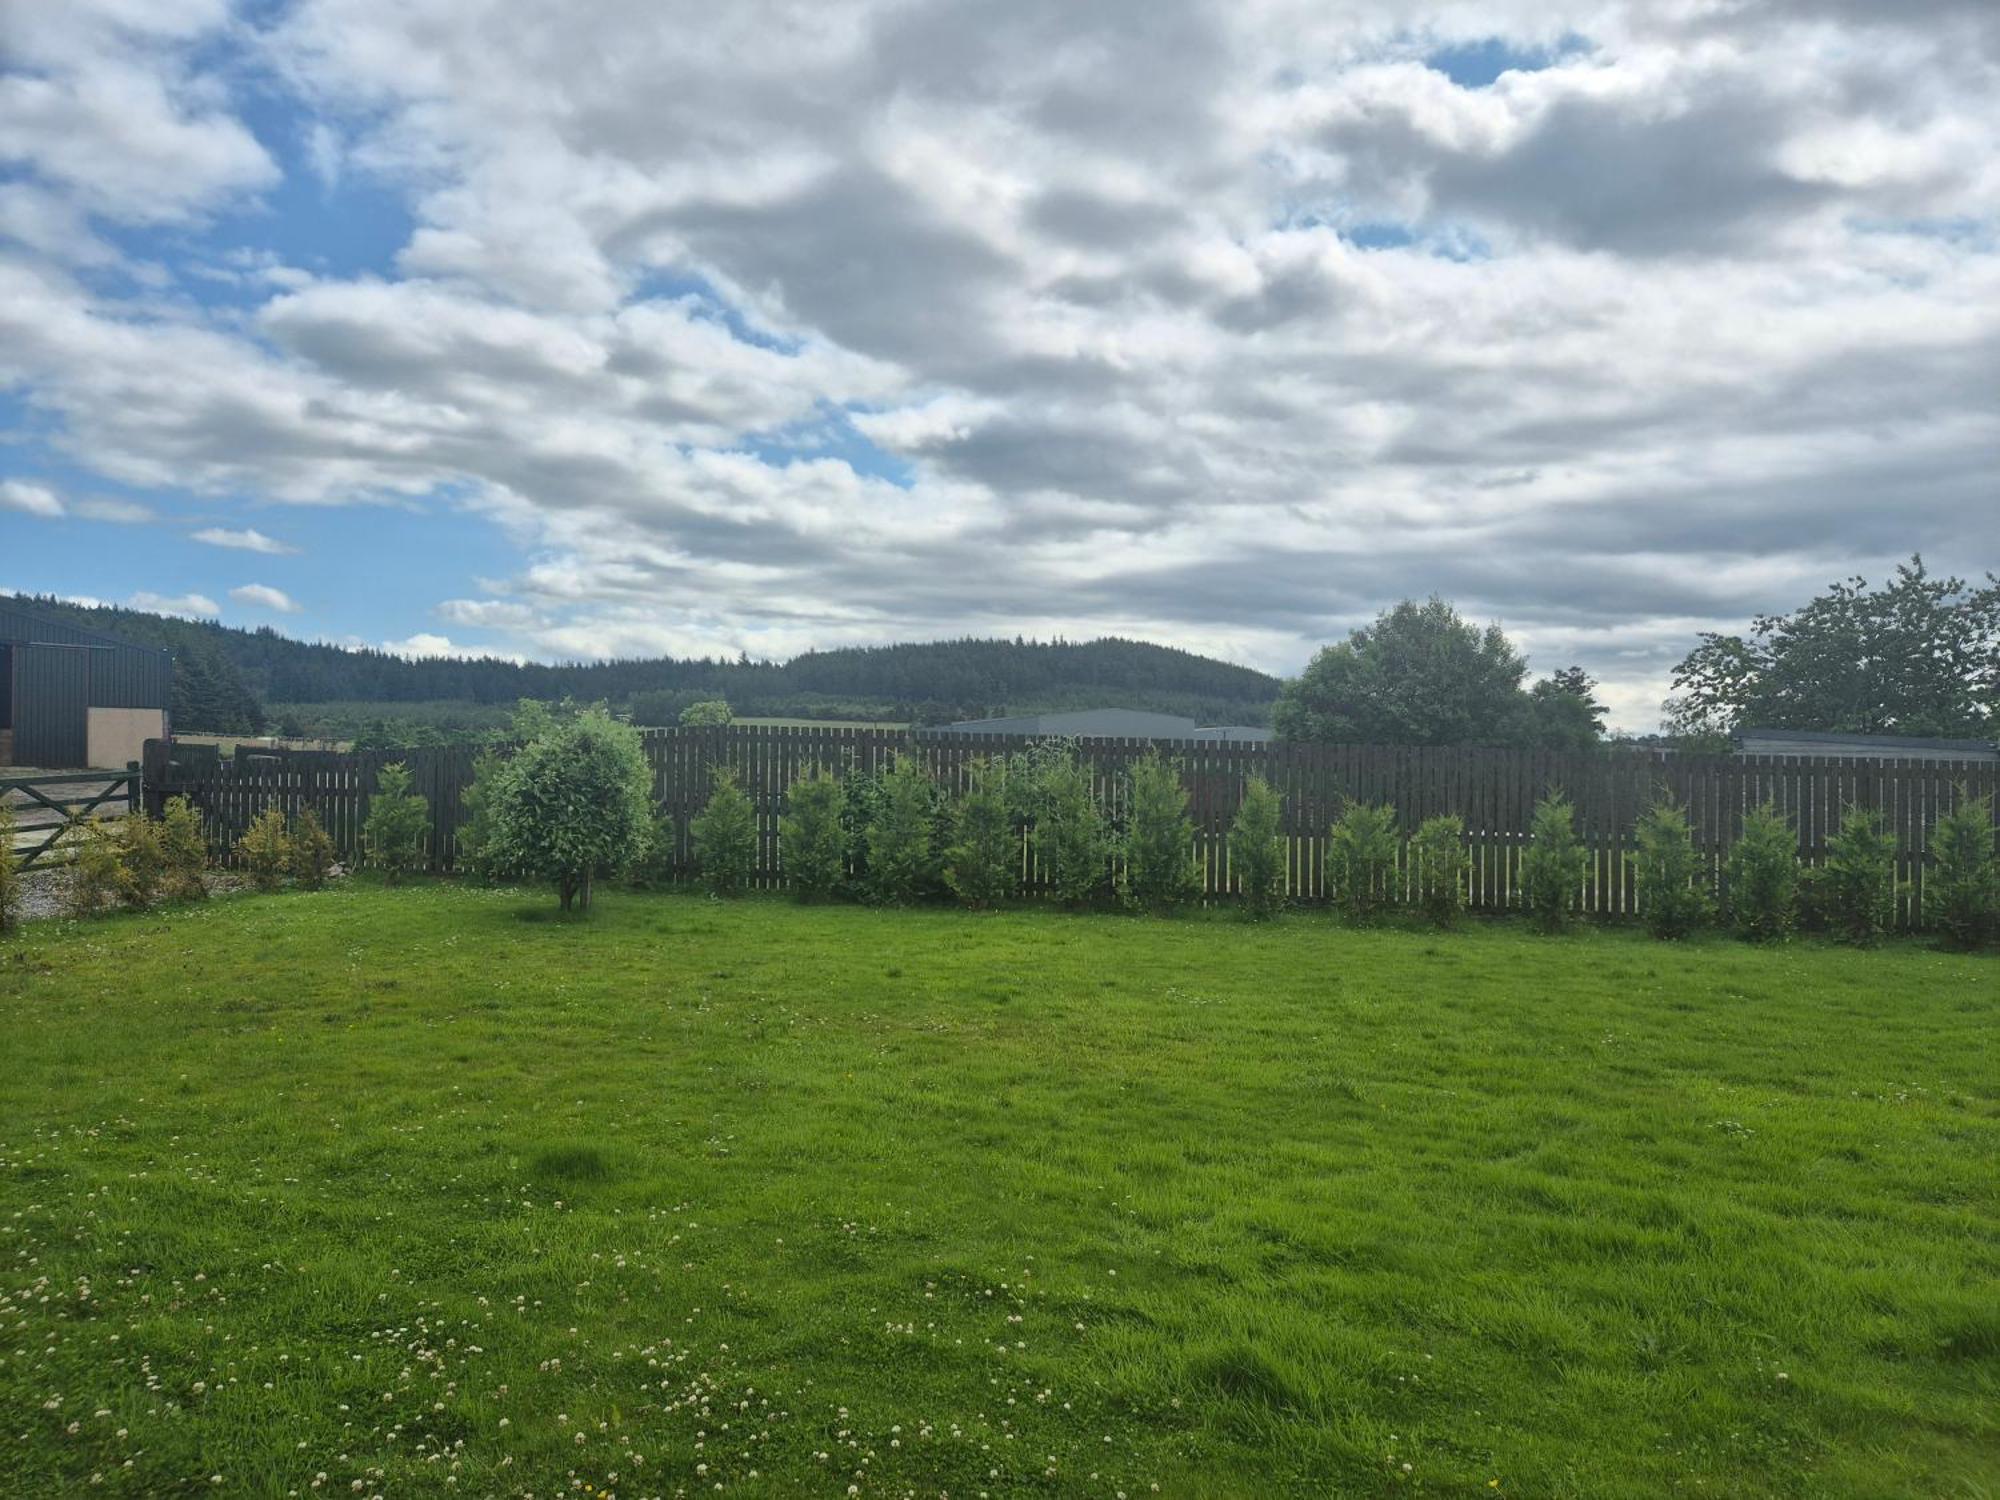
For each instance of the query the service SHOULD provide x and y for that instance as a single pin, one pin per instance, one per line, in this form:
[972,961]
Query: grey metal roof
[1107,723]
[24,624]
[1863,746]
[1084,723]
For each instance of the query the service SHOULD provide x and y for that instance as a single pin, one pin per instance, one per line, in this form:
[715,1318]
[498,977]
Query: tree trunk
[586,891]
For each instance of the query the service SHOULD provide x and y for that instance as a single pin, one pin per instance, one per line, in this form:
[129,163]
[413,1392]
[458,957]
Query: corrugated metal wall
[52,705]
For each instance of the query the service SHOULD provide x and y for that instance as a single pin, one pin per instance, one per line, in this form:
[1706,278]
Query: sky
[627,327]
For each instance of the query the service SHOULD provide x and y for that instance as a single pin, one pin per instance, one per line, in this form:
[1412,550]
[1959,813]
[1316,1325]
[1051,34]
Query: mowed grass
[425,1191]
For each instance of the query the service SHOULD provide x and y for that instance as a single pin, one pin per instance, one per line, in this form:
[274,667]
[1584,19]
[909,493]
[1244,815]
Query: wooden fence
[1494,791]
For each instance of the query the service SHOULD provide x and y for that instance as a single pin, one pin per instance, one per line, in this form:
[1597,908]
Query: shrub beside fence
[1493,791]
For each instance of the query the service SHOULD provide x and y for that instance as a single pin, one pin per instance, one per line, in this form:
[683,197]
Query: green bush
[654,868]
[1673,889]
[10,872]
[1438,867]
[710,713]
[1962,885]
[812,842]
[142,857]
[1160,870]
[1072,845]
[725,836]
[1361,859]
[398,823]
[183,851]
[1761,876]
[96,867]
[983,864]
[1553,865]
[572,806]
[1857,882]
[265,850]
[313,853]
[902,861]
[475,829]
[1257,850]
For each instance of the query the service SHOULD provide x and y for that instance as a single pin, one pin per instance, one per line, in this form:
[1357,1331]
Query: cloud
[1224,325]
[116,511]
[191,606]
[246,540]
[30,499]
[263,596]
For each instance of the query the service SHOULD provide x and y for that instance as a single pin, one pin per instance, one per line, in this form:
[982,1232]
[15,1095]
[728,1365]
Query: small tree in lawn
[983,863]
[901,860]
[1438,865]
[1553,865]
[398,820]
[1858,880]
[812,843]
[1761,876]
[1160,870]
[1257,851]
[312,850]
[725,836]
[573,806]
[10,872]
[1361,858]
[1673,894]
[184,851]
[1962,886]
[265,850]
[710,713]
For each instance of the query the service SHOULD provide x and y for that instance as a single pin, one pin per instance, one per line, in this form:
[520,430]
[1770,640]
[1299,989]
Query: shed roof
[22,624]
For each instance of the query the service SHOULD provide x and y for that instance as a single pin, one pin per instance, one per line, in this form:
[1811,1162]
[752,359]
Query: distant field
[428,1192]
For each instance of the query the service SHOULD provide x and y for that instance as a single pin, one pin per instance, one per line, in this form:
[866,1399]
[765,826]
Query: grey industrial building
[71,698]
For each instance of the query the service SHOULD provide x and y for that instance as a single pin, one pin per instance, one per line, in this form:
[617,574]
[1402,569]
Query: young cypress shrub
[864,803]
[983,863]
[96,867]
[1361,859]
[812,843]
[725,836]
[1761,876]
[1553,864]
[265,850]
[1071,843]
[184,847]
[1858,879]
[902,864]
[1438,865]
[1160,870]
[398,820]
[1257,851]
[475,830]
[10,872]
[312,851]
[142,856]
[1673,896]
[1962,886]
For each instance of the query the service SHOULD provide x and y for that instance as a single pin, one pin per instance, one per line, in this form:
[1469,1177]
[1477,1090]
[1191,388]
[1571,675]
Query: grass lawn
[427,1192]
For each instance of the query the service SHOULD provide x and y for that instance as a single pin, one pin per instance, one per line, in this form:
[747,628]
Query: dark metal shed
[71,697]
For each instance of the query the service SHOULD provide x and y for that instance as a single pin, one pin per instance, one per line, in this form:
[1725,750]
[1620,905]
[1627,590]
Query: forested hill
[227,677]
